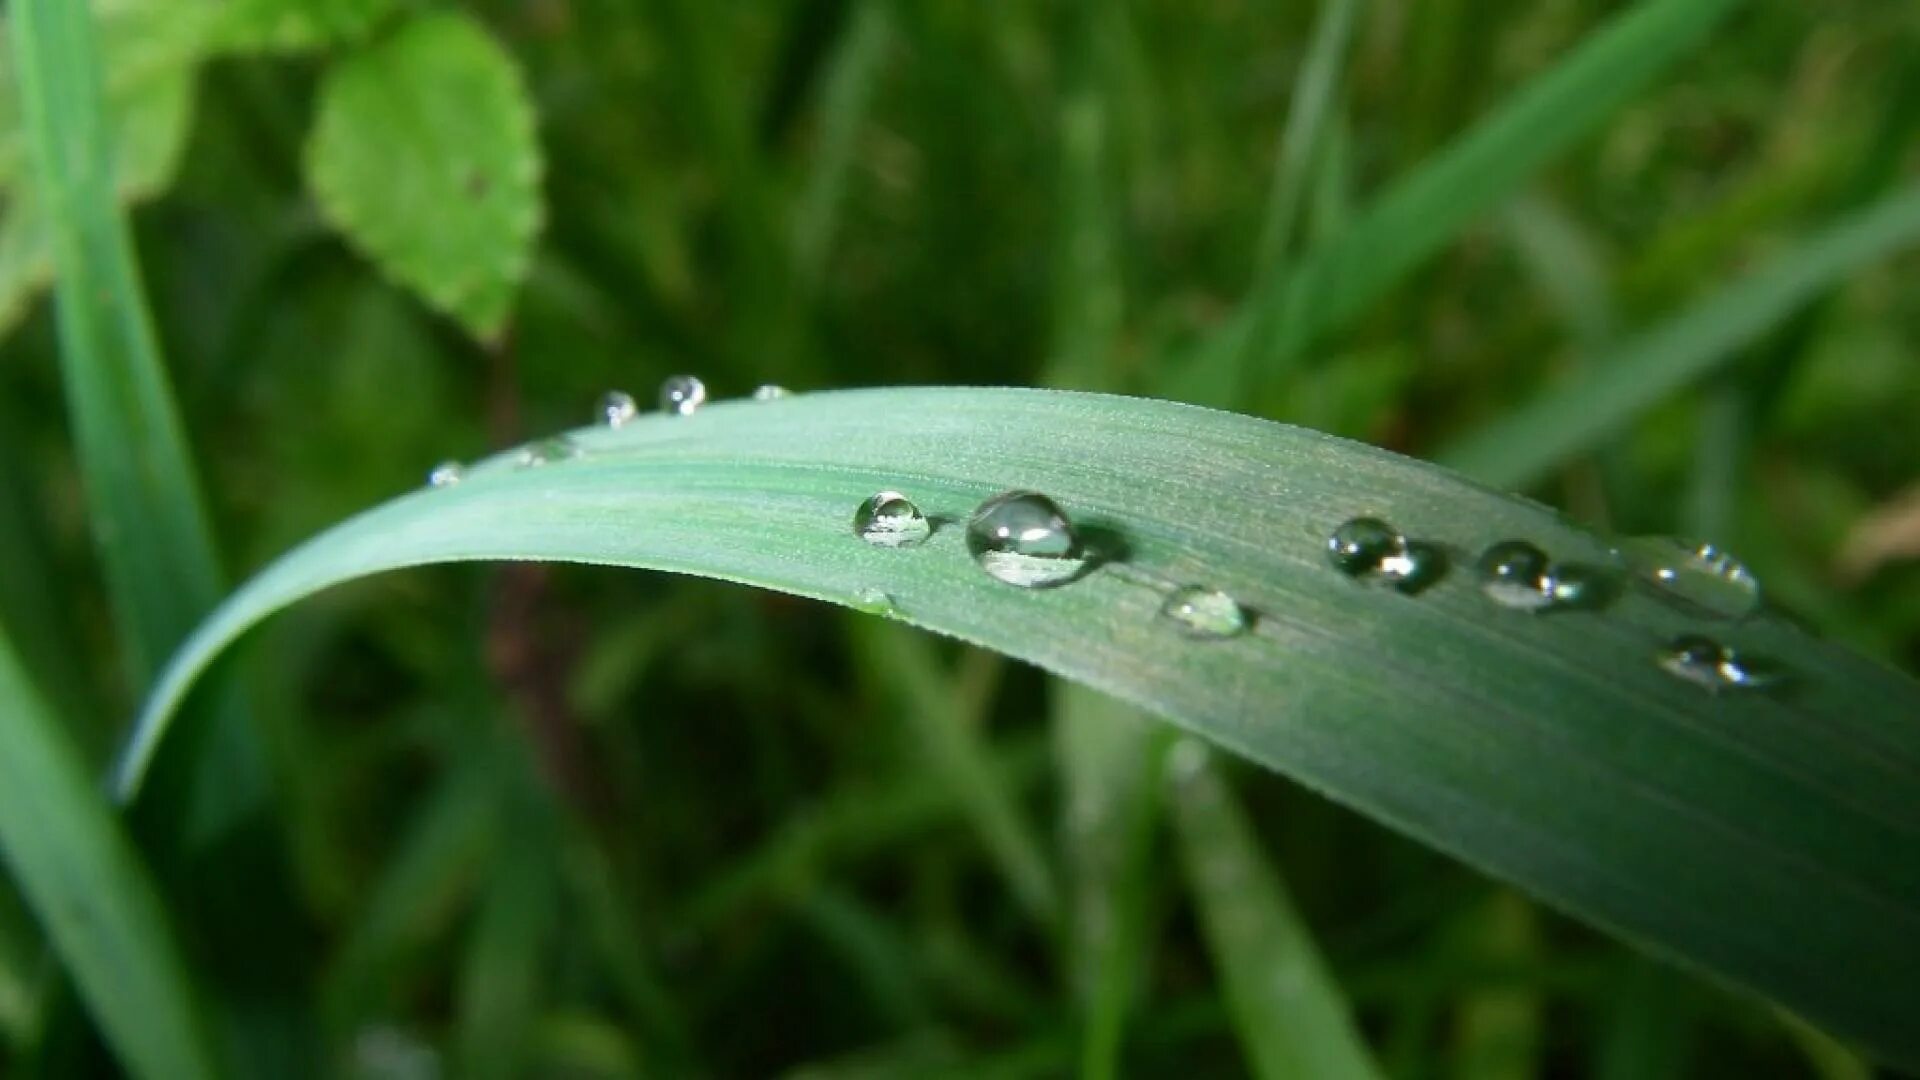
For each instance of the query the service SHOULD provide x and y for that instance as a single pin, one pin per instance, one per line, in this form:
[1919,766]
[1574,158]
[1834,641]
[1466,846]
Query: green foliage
[423,154]
[1650,260]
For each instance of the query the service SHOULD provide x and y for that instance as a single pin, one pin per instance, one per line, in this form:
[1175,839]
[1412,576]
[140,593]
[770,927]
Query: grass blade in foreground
[1290,1015]
[1771,838]
[65,848]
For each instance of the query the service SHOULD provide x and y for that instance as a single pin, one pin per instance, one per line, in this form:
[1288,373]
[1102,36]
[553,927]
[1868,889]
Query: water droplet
[1416,567]
[546,452]
[446,474]
[682,395]
[890,519]
[1513,573]
[1205,613]
[1707,663]
[1699,575]
[770,392]
[1022,538]
[1361,544]
[616,407]
[873,601]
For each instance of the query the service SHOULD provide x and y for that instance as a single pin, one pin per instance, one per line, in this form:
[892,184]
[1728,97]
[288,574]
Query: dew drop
[616,408]
[1706,663]
[1361,544]
[1576,586]
[1022,538]
[890,519]
[1513,573]
[446,474]
[682,395]
[1702,576]
[873,601]
[770,392]
[546,452]
[1204,613]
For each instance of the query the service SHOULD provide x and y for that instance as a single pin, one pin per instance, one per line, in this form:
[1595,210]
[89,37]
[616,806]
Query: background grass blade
[65,848]
[1291,1018]
[1768,838]
[1646,370]
[1427,209]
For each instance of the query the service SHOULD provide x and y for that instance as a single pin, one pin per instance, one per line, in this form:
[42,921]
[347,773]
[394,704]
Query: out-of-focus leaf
[64,846]
[424,155]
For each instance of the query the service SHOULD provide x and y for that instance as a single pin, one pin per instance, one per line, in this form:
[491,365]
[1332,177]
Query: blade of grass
[1306,131]
[65,848]
[1289,1013]
[1770,838]
[1108,756]
[844,106]
[957,753]
[500,981]
[1645,370]
[1497,1030]
[1427,209]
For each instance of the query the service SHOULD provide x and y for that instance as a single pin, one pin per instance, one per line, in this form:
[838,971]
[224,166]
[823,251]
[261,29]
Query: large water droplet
[616,407]
[546,452]
[1205,613]
[446,474]
[1513,573]
[682,395]
[1702,576]
[890,519]
[1361,544]
[770,392]
[1707,663]
[1022,538]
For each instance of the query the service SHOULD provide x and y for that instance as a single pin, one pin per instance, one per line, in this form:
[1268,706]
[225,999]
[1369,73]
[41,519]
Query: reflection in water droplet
[446,474]
[1022,538]
[616,407]
[1415,568]
[1707,663]
[1205,613]
[546,452]
[890,519]
[1699,575]
[770,392]
[1361,544]
[682,395]
[1576,586]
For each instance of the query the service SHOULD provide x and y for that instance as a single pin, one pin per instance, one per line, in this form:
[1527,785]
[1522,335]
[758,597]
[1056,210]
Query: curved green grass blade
[1773,839]
[1614,390]
[65,848]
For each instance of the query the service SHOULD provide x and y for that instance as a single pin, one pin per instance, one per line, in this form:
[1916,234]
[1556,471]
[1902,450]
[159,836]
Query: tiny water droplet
[1187,760]
[546,452]
[873,601]
[1359,545]
[616,407]
[682,395]
[446,474]
[1415,568]
[1205,613]
[1022,538]
[1706,663]
[770,392]
[1702,576]
[890,519]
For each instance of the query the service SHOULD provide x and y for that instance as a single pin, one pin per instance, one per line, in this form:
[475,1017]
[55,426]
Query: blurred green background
[567,821]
